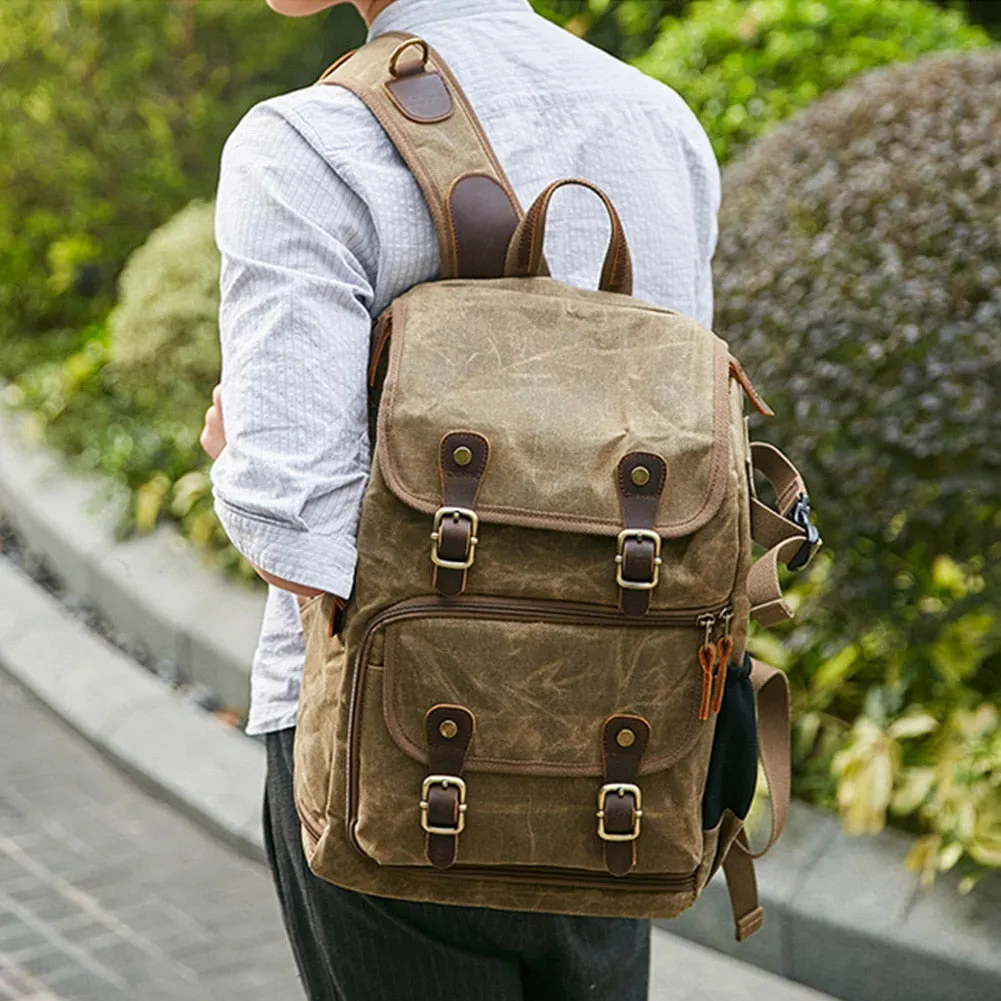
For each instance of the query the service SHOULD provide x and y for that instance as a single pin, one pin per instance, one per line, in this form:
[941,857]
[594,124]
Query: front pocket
[540,678]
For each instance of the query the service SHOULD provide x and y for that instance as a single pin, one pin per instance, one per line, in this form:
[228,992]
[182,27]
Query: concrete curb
[152,588]
[183,755]
[843,915]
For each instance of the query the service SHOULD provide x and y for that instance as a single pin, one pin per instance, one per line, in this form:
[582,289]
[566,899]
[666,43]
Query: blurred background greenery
[857,279]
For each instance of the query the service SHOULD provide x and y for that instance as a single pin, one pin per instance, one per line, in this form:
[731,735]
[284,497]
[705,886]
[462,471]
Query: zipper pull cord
[707,661]
[723,650]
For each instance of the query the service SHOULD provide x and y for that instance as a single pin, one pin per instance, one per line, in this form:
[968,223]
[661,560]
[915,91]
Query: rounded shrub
[858,276]
[744,66]
[112,117]
[164,332]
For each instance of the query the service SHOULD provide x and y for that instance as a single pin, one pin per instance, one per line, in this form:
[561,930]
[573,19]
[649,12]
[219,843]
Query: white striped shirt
[321,226]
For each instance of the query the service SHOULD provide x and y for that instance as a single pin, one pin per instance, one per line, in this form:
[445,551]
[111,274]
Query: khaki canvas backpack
[538,697]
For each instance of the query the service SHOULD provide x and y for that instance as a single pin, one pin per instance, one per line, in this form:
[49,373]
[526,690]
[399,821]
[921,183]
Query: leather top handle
[524,255]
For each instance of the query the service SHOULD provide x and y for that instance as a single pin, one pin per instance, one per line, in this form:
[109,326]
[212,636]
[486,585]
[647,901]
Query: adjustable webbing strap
[788,540]
[412,93]
[771,688]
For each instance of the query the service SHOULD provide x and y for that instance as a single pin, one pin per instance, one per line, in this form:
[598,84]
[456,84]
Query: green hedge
[858,279]
[744,66]
[112,116]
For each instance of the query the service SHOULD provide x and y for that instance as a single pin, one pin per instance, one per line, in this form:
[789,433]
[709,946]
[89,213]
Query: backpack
[538,696]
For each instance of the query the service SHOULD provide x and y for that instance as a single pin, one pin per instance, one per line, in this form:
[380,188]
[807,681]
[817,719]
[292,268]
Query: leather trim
[639,501]
[482,220]
[622,764]
[422,97]
[446,755]
[456,540]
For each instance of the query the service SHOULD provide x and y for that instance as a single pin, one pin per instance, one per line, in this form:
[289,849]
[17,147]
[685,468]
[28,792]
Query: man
[321,226]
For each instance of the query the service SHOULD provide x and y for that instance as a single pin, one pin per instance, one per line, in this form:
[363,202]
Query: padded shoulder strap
[411,91]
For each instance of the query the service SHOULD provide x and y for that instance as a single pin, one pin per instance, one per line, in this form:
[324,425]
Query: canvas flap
[562,383]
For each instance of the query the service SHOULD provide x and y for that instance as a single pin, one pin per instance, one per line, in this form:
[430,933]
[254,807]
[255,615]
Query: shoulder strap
[415,98]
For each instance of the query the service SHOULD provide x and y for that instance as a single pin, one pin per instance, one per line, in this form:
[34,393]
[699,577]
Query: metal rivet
[640,476]
[448,729]
[462,456]
[625,738]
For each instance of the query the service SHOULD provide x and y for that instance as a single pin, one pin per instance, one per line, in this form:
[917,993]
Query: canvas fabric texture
[547,704]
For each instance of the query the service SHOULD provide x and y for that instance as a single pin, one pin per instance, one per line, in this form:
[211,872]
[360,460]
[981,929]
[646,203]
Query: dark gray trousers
[352,947]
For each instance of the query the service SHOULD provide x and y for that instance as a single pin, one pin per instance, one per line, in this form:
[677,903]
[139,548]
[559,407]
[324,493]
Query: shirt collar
[413,15]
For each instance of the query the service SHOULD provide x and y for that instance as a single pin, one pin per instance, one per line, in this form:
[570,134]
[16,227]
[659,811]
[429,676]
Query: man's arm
[297,246]
[213,441]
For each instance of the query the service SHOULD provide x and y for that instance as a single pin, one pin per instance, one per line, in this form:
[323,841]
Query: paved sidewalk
[107,895]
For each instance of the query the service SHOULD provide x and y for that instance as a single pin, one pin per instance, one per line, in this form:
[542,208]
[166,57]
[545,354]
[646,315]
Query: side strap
[413,95]
[771,689]
[742,885]
[788,535]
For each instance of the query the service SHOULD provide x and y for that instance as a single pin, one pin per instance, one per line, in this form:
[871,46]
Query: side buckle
[619,789]
[799,515]
[455,514]
[639,535]
[446,782]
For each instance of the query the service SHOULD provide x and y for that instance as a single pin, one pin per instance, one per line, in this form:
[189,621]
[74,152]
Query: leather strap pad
[412,93]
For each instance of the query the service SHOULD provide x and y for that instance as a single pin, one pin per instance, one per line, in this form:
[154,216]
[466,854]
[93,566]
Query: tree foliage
[112,116]
[742,67]
[857,277]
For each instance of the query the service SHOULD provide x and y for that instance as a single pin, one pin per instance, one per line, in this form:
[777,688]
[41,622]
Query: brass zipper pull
[723,650]
[707,661]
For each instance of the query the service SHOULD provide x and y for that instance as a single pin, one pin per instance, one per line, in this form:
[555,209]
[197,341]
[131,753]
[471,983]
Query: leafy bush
[145,443]
[858,273]
[744,66]
[625,28]
[112,116]
[165,328]
[858,277]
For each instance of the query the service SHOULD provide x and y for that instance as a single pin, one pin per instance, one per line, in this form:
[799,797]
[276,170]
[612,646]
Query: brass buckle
[445,781]
[620,789]
[455,513]
[639,534]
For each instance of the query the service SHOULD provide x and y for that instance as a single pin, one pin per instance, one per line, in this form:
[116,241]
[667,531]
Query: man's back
[311,180]
[321,226]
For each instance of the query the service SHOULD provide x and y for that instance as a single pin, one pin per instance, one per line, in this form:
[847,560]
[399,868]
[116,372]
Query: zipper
[505,610]
[707,660]
[723,651]
[556,876]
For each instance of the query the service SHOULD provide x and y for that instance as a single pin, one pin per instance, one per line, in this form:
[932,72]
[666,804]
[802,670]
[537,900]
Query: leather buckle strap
[464,539]
[640,479]
[455,820]
[610,814]
[624,740]
[462,460]
[652,567]
[443,792]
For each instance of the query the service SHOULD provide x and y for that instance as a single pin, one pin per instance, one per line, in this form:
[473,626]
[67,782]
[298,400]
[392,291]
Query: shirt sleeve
[706,191]
[294,326]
